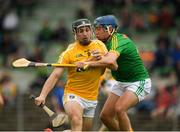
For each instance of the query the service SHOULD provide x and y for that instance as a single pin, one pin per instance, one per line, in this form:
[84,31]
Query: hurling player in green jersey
[133,82]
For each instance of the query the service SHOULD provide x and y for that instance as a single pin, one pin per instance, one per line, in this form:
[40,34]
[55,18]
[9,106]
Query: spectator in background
[37,83]
[1,40]
[9,90]
[177,7]
[57,97]
[177,39]
[163,38]
[147,58]
[61,33]
[166,20]
[137,22]
[125,20]
[172,89]
[4,6]
[1,21]
[166,102]
[37,55]
[8,48]
[153,18]
[162,60]
[10,22]
[162,102]
[177,69]
[25,7]
[23,50]
[100,6]
[44,37]
[81,13]
[45,33]
[176,56]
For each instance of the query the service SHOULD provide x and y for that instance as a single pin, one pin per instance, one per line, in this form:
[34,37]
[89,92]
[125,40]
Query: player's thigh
[73,108]
[109,105]
[87,123]
[127,100]
[133,93]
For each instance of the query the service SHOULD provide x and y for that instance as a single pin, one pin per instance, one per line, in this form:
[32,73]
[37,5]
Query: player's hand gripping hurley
[56,119]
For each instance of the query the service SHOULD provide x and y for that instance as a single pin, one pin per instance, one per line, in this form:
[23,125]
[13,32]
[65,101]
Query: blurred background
[40,30]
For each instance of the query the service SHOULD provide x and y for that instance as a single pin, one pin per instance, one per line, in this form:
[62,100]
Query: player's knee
[104,117]
[119,109]
[77,120]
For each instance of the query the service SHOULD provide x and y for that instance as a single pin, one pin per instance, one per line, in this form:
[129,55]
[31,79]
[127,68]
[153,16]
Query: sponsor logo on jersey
[88,52]
[78,55]
[71,96]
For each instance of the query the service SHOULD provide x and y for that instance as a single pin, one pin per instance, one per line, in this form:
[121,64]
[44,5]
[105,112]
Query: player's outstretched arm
[49,85]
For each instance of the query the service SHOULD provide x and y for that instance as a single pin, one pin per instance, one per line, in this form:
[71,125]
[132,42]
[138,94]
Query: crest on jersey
[78,55]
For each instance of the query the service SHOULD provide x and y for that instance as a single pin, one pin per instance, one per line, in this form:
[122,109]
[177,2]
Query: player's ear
[111,29]
[74,33]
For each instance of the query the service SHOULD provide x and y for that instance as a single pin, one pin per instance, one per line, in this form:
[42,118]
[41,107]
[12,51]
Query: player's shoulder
[98,42]
[70,47]
[122,38]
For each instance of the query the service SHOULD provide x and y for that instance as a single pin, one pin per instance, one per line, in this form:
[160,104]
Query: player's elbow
[113,67]
[57,73]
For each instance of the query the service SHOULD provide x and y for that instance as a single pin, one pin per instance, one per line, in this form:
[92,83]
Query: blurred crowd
[141,14]
[135,17]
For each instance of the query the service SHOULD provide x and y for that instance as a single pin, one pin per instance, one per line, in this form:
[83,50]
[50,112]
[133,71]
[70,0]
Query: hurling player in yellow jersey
[81,90]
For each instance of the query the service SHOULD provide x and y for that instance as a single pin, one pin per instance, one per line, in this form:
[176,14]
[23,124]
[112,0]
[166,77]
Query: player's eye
[83,29]
[87,29]
[98,28]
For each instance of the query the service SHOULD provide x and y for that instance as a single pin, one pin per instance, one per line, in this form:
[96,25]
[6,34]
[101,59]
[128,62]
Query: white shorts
[140,88]
[109,84]
[89,106]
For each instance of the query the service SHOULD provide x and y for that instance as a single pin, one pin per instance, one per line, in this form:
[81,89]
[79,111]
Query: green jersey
[130,65]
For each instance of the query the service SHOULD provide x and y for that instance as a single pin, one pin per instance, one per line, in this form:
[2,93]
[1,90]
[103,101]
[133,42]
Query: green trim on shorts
[140,88]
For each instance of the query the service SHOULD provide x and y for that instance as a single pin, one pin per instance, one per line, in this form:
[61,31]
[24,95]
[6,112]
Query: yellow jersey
[86,83]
